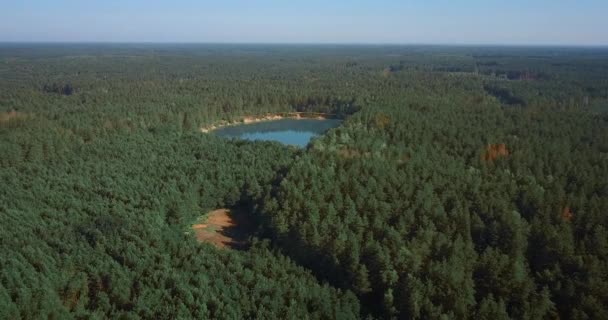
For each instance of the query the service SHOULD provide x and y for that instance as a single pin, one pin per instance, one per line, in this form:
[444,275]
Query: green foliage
[398,213]
[432,228]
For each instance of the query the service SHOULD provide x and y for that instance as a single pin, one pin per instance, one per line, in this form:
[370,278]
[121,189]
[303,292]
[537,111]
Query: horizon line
[446,44]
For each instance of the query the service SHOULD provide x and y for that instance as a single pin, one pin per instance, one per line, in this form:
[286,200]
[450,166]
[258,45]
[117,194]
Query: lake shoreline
[269,117]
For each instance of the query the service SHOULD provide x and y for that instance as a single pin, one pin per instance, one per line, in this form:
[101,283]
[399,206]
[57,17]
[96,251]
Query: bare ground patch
[269,117]
[5,117]
[225,228]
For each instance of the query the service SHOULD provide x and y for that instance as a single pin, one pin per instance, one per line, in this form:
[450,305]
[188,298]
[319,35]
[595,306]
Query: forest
[464,183]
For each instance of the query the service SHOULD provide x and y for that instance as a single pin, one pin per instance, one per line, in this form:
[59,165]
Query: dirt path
[224,228]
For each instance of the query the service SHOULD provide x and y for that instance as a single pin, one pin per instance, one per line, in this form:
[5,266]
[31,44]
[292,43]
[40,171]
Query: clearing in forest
[225,228]
[5,117]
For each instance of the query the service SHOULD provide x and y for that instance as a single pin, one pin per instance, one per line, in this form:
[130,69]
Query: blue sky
[538,22]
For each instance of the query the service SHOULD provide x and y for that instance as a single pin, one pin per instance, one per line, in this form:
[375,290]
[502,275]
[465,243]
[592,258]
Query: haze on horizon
[540,22]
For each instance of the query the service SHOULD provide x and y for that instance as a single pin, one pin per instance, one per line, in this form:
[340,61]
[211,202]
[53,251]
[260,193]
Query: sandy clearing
[5,117]
[224,228]
[268,117]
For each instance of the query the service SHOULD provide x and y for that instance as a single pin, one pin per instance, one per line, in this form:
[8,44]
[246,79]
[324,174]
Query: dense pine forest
[464,182]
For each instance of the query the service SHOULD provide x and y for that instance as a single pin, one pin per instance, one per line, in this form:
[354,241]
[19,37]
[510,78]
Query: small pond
[296,132]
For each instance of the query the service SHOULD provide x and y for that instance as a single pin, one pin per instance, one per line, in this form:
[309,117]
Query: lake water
[297,132]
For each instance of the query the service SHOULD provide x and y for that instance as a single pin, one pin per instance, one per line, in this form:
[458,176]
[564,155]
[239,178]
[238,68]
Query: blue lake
[297,132]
